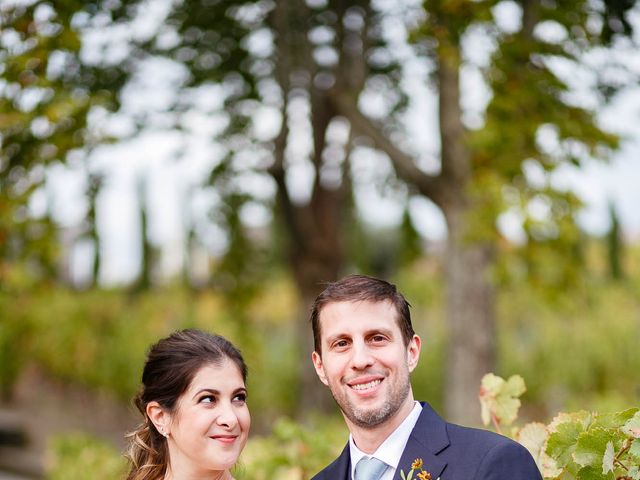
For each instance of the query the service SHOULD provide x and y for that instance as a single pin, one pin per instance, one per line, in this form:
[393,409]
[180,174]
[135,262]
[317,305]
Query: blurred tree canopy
[309,95]
[48,90]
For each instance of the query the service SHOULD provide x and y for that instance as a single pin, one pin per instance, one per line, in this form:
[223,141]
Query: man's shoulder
[490,450]
[431,424]
[470,435]
[474,444]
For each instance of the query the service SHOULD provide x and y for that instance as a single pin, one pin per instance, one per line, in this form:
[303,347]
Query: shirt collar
[390,451]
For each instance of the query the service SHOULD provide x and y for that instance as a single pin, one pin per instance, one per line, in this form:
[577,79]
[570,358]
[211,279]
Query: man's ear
[413,352]
[317,363]
[160,419]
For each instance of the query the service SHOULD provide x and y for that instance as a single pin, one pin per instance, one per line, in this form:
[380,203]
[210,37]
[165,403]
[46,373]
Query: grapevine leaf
[635,449]
[632,427]
[593,473]
[582,417]
[591,446]
[562,442]
[615,420]
[634,472]
[534,438]
[500,398]
[609,457]
[489,388]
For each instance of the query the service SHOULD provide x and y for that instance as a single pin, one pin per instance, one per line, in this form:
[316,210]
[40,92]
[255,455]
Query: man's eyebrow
[337,336]
[386,331]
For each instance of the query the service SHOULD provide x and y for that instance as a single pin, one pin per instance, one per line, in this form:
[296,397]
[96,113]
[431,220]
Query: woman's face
[211,423]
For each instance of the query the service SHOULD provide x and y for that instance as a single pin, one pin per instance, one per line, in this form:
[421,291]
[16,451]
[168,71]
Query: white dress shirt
[391,449]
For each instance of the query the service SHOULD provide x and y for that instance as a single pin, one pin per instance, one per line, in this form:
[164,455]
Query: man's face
[365,362]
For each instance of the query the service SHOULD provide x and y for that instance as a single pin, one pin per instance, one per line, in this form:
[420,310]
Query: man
[365,350]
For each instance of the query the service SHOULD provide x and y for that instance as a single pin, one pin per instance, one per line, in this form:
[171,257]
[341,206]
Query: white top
[391,449]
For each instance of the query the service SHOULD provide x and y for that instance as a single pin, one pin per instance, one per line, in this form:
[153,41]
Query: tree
[279,59]
[47,92]
[309,64]
[615,245]
[530,121]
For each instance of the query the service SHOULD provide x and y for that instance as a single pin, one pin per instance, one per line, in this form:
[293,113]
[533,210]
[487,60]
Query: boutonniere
[416,467]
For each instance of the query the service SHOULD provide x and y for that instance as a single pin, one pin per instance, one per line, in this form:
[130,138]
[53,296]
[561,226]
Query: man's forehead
[357,303]
[380,312]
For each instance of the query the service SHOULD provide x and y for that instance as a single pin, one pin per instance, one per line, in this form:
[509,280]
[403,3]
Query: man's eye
[378,338]
[341,343]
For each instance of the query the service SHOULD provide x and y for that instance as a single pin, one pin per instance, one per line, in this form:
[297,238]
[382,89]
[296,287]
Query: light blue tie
[369,468]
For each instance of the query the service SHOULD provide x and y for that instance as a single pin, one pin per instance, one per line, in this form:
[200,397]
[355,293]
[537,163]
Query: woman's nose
[227,416]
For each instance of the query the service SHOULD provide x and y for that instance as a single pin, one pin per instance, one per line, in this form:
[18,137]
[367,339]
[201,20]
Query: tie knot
[369,468]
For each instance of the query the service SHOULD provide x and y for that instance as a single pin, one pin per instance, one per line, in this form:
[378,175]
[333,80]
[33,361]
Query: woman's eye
[207,399]
[241,397]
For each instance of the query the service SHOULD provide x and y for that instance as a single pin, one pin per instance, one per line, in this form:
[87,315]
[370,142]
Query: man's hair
[359,288]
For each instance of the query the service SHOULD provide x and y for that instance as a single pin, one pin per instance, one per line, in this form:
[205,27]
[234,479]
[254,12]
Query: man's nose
[361,357]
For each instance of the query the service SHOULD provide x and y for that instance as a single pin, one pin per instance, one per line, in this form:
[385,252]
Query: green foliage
[581,445]
[83,457]
[292,450]
[104,336]
[47,91]
[14,337]
[576,347]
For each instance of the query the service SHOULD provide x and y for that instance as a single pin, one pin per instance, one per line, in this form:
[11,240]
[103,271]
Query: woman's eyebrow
[206,390]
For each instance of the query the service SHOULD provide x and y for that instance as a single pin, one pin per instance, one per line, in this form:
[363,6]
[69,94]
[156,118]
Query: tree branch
[431,186]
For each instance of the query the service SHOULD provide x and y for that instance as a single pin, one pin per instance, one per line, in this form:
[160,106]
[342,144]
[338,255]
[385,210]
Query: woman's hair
[170,367]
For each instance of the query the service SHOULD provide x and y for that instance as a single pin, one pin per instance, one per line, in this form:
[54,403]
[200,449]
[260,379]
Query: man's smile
[365,384]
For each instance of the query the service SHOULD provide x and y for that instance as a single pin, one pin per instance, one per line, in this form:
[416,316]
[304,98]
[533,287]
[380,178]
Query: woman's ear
[160,419]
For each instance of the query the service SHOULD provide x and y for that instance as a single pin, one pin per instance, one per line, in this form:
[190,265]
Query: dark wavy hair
[358,288]
[170,367]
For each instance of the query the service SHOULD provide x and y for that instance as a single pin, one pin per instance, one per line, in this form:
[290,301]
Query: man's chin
[369,418]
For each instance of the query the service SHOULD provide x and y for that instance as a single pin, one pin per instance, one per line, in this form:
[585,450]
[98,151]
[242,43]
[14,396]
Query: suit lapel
[428,438]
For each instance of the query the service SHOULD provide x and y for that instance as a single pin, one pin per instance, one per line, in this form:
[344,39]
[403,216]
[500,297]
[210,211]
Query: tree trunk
[310,275]
[471,320]
[470,299]
[146,251]
[95,183]
[315,250]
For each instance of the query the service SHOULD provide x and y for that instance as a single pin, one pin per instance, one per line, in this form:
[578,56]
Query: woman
[193,400]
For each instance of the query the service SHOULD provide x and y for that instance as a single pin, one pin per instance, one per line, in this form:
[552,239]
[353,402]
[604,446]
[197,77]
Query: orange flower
[417,463]
[424,475]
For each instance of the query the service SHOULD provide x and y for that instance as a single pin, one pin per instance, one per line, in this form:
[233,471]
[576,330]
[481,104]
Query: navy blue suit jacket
[452,452]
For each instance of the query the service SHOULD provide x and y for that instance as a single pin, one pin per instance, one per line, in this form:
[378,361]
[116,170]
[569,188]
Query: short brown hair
[358,288]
